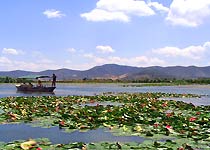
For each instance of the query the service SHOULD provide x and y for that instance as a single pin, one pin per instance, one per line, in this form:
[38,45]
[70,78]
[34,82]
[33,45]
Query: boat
[34,89]
[23,87]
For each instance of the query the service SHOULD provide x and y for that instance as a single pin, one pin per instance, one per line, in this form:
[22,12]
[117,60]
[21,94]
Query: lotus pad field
[164,124]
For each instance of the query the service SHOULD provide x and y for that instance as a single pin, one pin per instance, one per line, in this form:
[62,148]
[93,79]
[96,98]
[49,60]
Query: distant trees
[171,81]
[175,81]
[7,80]
[12,80]
[168,81]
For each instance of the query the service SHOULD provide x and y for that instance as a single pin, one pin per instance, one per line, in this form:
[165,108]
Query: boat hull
[34,89]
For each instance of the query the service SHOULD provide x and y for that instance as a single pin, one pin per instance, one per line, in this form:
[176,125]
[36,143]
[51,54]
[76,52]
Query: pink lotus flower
[165,104]
[168,127]
[169,114]
[61,123]
[39,148]
[192,119]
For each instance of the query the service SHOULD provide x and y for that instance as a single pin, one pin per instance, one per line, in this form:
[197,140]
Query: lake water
[93,89]
[56,135]
[10,132]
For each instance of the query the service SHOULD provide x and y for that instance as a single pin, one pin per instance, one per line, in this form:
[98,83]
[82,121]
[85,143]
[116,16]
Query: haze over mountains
[114,71]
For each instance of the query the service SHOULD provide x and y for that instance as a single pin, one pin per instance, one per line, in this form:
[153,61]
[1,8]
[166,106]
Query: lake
[56,135]
[99,88]
[10,132]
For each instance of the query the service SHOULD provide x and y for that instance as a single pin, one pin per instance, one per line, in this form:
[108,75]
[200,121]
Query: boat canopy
[34,77]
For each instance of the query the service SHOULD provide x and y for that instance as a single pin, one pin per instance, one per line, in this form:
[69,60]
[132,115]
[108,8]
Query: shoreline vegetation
[135,83]
[165,124]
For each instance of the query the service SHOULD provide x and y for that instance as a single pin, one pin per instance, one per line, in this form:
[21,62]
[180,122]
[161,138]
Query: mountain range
[114,71]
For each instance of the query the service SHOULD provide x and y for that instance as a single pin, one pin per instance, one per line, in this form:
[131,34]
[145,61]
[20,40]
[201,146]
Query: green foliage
[138,114]
[13,80]
[7,80]
[45,144]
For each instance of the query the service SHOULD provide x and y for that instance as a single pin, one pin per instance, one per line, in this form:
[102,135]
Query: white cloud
[166,56]
[40,59]
[134,7]
[192,52]
[71,50]
[52,13]
[103,15]
[96,60]
[12,51]
[133,61]
[68,61]
[33,66]
[120,10]
[105,49]
[188,12]
[158,6]
[206,45]
[35,61]
[148,61]
[45,61]
[88,55]
[38,55]
[40,65]
[4,60]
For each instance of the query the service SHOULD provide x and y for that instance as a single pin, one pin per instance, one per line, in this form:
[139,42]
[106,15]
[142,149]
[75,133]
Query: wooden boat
[24,88]
[31,88]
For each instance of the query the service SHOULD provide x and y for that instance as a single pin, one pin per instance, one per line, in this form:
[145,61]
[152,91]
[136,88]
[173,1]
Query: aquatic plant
[139,114]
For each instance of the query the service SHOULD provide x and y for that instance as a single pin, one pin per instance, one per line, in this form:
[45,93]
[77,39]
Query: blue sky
[36,35]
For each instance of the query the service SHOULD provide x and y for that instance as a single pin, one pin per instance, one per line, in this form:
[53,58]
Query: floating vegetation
[45,144]
[165,124]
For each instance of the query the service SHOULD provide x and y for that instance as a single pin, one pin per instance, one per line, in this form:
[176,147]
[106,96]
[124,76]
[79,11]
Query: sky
[37,35]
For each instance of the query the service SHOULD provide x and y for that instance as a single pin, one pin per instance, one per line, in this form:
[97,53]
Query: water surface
[12,132]
[99,88]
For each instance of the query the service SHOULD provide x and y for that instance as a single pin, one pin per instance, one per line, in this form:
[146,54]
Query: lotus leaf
[142,114]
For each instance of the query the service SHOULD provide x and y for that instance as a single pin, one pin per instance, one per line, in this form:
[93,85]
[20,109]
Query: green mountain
[114,71]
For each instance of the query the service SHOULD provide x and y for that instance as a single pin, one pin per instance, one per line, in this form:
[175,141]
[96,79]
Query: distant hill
[178,72]
[114,71]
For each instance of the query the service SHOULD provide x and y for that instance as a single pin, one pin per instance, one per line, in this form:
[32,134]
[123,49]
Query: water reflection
[11,132]
[29,93]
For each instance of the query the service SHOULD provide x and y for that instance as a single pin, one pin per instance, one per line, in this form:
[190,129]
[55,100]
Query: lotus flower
[165,104]
[61,123]
[28,145]
[169,114]
[192,119]
[168,127]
